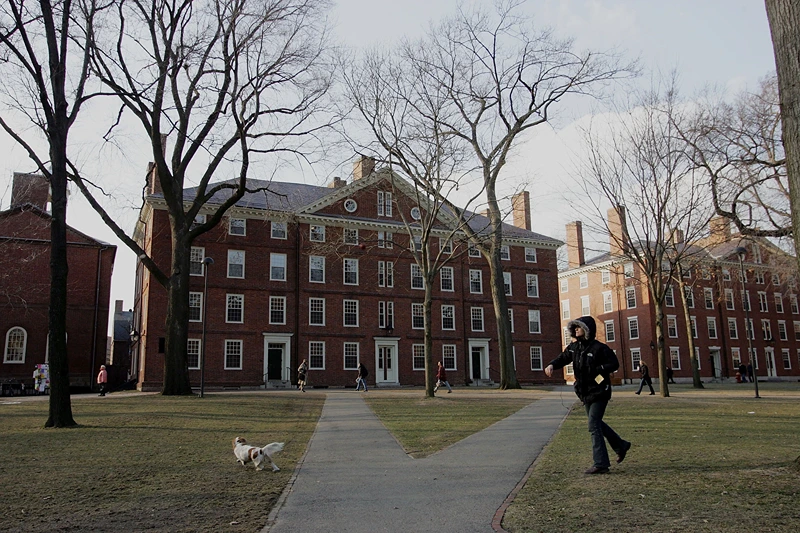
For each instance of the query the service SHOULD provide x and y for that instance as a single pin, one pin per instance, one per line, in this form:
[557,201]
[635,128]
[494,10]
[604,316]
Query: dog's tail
[272,448]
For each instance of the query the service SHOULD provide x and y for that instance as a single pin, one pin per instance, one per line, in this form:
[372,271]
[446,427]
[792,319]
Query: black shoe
[621,455]
[652,394]
[637,392]
[597,470]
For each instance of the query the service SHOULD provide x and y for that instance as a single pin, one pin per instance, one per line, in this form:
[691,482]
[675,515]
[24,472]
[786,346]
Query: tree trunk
[176,369]
[697,383]
[662,359]
[784,21]
[508,376]
[430,375]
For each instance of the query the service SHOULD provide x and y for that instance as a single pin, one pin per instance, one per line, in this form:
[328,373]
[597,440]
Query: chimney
[337,183]
[575,254]
[31,189]
[153,183]
[485,212]
[617,231]
[118,306]
[363,167]
[719,230]
[521,207]
[677,236]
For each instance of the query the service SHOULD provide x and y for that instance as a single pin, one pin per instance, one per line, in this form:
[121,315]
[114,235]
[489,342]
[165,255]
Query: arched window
[16,343]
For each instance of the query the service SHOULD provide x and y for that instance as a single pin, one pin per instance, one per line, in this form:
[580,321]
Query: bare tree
[232,82]
[46,69]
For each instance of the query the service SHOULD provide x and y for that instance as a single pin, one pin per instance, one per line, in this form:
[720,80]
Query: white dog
[245,453]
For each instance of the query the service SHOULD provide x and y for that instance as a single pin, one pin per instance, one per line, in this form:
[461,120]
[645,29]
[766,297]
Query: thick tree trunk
[697,383]
[784,23]
[662,359]
[508,375]
[176,369]
[430,374]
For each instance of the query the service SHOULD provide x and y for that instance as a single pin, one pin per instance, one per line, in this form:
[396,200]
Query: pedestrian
[743,372]
[102,379]
[750,374]
[362,377]
[645,370]
[670,375]
[592,362]
[302,370]
[441,378]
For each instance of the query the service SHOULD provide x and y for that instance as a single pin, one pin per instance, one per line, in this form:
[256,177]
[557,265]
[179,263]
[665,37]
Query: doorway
[277,351]
[386,362]
[479,360]
[769,355]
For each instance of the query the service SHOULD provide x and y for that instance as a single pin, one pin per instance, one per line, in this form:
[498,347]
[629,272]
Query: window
[417,316]
[193,354]
[237,226]
[384,204]
[417,281]
[316,355]
[584,281]
[776,280]
[610,333]
[729,303]
[793,304]
[385,274]
[350,236]
[473,251]
[675,357]
[585,306]
[754,357]
[446,279]
[235,264]
[196,266]
[630,297]
[751,334]
[797,331]
[418,355]
[350,271]
[445,246]
[385,240]
[350,205]
[475,282]
[417,240]
[608,304]
[316,311]
[534,321]
[766,329]
[672,327]
[278,230]
[787,362]
[760,278]
[693,325]
[505,252]
[195,307]
[316,269]
[605,277]
[782,334]
[16,345]
[778,302]
[350,310]
[733,331]
[449,317]
[705,273]
[708,296]
[669,297]
[386,315]
[564,285]
[762,302]
[633,328]
[449,356]
[234,308]
[316,233]
[736,356]
[507,282]
[689,297]
[567,338]
[726,274]
[277,310]
[636,359]
[530,255]
[536,358]
[233,355]
[511,319]
[746,301]
[351,355]
[628,270]
[565,309]
[532,282]
[416,213]
[277,267]
[476,316]
[712,327]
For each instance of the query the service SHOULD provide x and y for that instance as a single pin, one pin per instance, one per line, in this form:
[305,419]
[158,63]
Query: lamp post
[741,251]
[207,262]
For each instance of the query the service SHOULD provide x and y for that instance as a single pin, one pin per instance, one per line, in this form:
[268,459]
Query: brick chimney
[617,230]
[118,306]
[521,207]
[575,253]
[677,236]
[719,230]
[31,189]
[363,167]
[337,183]
[153,183]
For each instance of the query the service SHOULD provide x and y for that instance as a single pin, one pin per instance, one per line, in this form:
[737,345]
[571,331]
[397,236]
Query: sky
[720,43]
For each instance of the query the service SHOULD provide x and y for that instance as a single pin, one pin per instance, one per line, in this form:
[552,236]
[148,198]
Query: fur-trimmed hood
[586,323]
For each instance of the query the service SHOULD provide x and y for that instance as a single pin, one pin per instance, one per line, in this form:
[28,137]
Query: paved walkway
[355,477]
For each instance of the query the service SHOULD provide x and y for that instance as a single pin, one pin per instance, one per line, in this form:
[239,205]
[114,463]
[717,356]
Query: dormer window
[384,204]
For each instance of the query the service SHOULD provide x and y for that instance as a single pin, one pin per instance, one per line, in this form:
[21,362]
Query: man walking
[645,370]
[593,362]
[362,377]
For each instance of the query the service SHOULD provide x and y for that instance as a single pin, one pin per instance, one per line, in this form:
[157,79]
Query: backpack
[366,372]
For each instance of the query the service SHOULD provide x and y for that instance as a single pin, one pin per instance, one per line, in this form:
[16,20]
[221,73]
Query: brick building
[614,291]
[25,288]
[323,274]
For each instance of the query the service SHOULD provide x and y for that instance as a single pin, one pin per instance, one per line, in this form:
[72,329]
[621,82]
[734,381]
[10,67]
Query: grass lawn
[713,460]
[147,462]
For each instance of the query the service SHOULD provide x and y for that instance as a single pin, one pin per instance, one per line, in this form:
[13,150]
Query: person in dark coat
[743,372]
[645,370]
[361,379]
[593,362]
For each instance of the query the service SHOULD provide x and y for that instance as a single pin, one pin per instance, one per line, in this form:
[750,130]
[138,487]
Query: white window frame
[451,310]
[229,344]
[352,351]
[349,266]
[320,260]
[733,329]
[672,326]
[353,312]
[628,292]
[235,258]
[564,285]
[475,281]
[609,327]
[233,223]
[316,302]
[675,357]
[417,280]
[636,359]
[708,297]
[418,356]
[507,283]
[15,355]
[476,314]
[278,230]
[633,323]
[778,302]
[196,257]
[565,310]
[669,296]
[505,252]
[532,285]
[585,306]
[275,267]
[536,355]
[198,299]
[316,233]
[277,304]
[230,299]
[711,327]
[449,359]
[583,281]
[530,255]
[316,349]
[608,302]
[534,321]
[193,349]
[350,236]
[605,277]
[445,245]
[417,316]
[450,276]
[783,334]
[730,304]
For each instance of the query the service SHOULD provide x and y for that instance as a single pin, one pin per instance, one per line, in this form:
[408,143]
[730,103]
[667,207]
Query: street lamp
[207,262]
[741,251]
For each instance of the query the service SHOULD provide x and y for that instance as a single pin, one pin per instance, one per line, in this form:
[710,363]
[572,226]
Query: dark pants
[601,431]
[649,384]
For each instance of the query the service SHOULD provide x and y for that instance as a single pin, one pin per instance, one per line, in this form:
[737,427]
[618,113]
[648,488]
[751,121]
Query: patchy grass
[148,462]
[714,460]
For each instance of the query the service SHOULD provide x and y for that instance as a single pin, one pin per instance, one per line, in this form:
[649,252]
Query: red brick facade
[329,302]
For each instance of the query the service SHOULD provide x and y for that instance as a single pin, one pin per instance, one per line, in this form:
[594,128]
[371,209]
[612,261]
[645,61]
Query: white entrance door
[769,354]
[479,360]
[717,361]
[386,363]
[277,350]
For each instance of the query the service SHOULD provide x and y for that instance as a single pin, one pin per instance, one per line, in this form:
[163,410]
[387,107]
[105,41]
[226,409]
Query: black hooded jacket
[590,358]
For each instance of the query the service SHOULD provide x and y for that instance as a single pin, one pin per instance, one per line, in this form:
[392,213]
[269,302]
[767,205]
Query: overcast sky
[725,43]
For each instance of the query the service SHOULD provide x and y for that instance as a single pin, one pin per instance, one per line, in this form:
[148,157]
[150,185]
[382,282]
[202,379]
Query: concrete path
[355,477]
